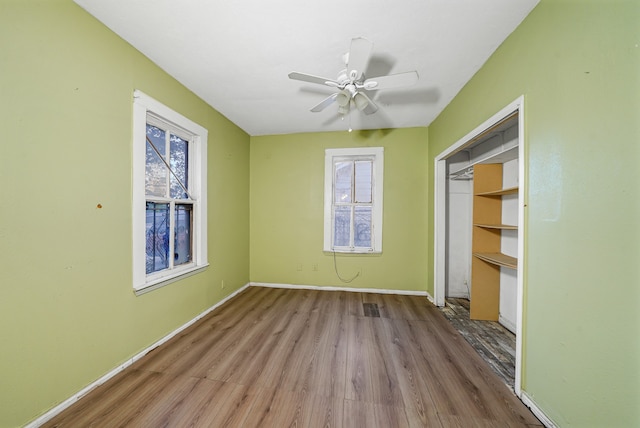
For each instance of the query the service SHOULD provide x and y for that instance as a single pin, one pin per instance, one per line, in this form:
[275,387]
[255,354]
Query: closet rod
[492,128]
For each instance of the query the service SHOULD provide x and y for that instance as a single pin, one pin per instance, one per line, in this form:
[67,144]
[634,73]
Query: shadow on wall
[365,134]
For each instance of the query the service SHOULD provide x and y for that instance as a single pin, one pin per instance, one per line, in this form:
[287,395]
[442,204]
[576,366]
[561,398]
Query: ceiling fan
[351,83]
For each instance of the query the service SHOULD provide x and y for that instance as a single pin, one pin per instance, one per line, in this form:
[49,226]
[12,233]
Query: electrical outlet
[222,284]
[299,267]
[314,267]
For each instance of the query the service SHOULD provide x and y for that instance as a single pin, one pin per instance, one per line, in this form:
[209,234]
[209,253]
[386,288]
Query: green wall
[67,310]
[287,200]
[578,65]
[68,314]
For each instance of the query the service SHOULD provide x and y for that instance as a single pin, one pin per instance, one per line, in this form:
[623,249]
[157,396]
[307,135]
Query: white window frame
[144,106]
[375,154]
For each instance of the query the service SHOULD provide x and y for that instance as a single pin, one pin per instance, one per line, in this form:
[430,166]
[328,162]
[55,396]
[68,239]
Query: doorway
[463,257]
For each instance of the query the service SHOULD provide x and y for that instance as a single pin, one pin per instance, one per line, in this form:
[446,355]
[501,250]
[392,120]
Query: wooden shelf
[486,243]
[500,192]
[498,226]
[498,259]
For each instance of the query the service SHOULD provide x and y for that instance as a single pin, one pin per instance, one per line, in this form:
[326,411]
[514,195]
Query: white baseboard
[508,324]
[430,298]
[528,401]
[332,288]
[458,294]
[69,401]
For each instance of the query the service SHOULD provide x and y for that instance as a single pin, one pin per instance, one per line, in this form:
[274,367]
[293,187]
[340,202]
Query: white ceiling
[236,55]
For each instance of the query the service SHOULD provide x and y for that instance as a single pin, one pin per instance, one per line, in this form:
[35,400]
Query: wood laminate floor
[306,358]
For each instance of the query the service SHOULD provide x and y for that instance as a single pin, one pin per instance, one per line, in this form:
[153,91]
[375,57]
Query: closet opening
[479,210]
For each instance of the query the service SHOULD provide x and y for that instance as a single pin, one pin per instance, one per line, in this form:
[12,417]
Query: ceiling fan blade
[325,103]
[391,81]
[358,57]
[313,79]
[369,107]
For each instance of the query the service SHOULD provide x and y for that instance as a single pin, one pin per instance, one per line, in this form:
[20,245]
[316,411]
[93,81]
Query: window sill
[161,282]
[355,252]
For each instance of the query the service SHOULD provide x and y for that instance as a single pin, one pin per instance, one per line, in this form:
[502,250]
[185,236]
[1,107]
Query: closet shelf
[505,155]
[497,226]
[500,192]
[498,259]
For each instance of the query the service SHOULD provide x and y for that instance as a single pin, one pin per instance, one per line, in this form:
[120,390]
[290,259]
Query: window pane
[157,233]
[182,245]
[362,227]
[344,174]
[155,170]
[342,230]
[363,181]
[179,161]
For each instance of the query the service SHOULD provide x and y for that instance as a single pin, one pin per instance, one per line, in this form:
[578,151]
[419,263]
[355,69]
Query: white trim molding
[350,289]
[528,401]
[376,156]
[440,214]
[146,108]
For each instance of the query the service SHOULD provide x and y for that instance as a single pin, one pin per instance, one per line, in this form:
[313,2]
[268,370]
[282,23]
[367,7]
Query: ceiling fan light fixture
[360,101]
[343,99]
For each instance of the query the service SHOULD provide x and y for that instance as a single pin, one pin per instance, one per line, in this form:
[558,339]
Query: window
[353,200]
[169,195]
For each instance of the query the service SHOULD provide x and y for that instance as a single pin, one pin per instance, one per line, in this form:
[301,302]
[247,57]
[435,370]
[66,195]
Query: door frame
[440,219]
